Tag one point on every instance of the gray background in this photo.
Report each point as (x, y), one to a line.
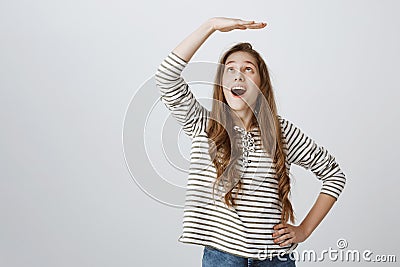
(69, 69)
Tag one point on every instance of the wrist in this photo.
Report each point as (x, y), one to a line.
(209, 25)
(305, 229)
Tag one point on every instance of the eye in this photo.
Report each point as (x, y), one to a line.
(229, 69)
(249, 69)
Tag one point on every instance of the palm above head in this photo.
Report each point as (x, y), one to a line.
(229, 24)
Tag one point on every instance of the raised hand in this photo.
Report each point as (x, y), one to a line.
(228, 24)
(192, 43)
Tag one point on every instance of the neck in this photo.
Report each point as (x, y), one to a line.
(243, 118)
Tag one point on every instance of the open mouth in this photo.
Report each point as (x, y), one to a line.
(238, 90)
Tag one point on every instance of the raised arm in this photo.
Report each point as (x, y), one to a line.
(186, 49)
(175, 92)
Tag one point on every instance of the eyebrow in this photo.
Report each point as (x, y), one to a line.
(232, 61)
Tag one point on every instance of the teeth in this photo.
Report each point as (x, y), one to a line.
(238, 87)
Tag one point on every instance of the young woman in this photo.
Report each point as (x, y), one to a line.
(237, 203)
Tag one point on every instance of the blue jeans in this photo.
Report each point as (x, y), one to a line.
(213, 257)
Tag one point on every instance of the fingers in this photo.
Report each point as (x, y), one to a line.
(283, 232)
(279, 226)
(286, 238)
(251, 24)
(256, 25)
(283, 238)
(229, 24)
(287, 242)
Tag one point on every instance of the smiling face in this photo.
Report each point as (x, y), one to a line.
(241, 81)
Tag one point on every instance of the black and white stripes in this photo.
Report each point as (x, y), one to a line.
(303, 151)
(245, 230)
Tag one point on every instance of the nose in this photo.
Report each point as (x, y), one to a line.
(239, 76)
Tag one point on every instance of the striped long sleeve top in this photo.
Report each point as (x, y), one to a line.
(245, 229)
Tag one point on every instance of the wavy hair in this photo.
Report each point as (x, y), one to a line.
(220, 124)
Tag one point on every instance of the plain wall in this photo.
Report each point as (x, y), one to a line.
(70, 69)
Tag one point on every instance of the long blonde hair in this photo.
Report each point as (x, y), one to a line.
(225, 156)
